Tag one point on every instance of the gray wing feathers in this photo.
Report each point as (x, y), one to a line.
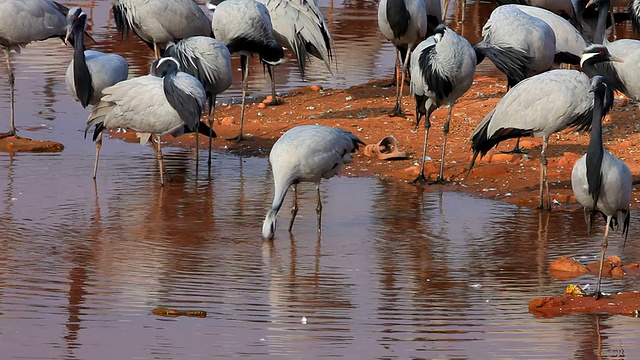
(138, 104)
(528, 105)
(23, 21)
(568, 38)
(164, 21)
(298, 22)
(207, 59)
(187, 96)
(255, 17)
(418, 83)
(105, 69)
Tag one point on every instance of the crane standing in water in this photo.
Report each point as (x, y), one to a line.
(600, 181)
(307, 153)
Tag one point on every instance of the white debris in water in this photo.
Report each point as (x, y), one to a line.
(555, 201)
(349, 98)
(303, 320)
(476, 286)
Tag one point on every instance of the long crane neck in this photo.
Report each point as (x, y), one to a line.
(595, 151)
(81, 75)
(601, 27)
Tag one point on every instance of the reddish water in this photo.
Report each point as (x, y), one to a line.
(397, 273)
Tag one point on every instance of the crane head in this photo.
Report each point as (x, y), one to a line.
(76, 21)
(164, 66)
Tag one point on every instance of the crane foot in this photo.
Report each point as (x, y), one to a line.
(517, 150)
(397, 111)
(440, 181)
(420, 179)
(8, 134)
(275, 101)
(238, 138)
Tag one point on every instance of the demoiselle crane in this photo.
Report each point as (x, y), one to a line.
(160, 21)
(245, 27)
(151, 105)
(540, 106)
(307, 153)
(518, 54)
(621, 76)
(600, 181)
(89, 72)
(404, 23)
(24, 21)
(300, 27)
(442, 69)
(209, 61)
(569, 41)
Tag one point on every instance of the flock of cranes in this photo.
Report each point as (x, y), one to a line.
(193, 66)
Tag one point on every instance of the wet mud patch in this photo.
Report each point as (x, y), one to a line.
(12, 144)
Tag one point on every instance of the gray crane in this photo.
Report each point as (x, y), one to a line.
(300, 27)
(622, 76)
(160, 21)
(540, 106)
(404, 23)
(245, 27)
(151, 105)
(569, 41)
(518, 54)
(600, 181)
(24, 21)
(560, 7)
(307, 153)
(209, 61)
(442, 69)
(89, 72)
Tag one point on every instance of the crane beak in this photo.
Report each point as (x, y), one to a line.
(615, 58)
(591, 2)
(66, 37)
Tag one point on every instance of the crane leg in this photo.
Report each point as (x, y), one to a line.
(12, 85)
(440, 179)
(156, 51)
(544, 181)
(212, 110)
(397, 110)
(197, 153)
(163, 170)
(605, 243)
(394, 81)
(274, 99)
(244, 62)
(160, 162)
(319, 209)
(516, 149)
(613, 25)
(98, 147)
(294, 208)
(421, 178)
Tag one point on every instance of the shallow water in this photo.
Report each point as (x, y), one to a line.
(396, 273)
(400, 274)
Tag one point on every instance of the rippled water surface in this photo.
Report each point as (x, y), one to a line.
(397, 273)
